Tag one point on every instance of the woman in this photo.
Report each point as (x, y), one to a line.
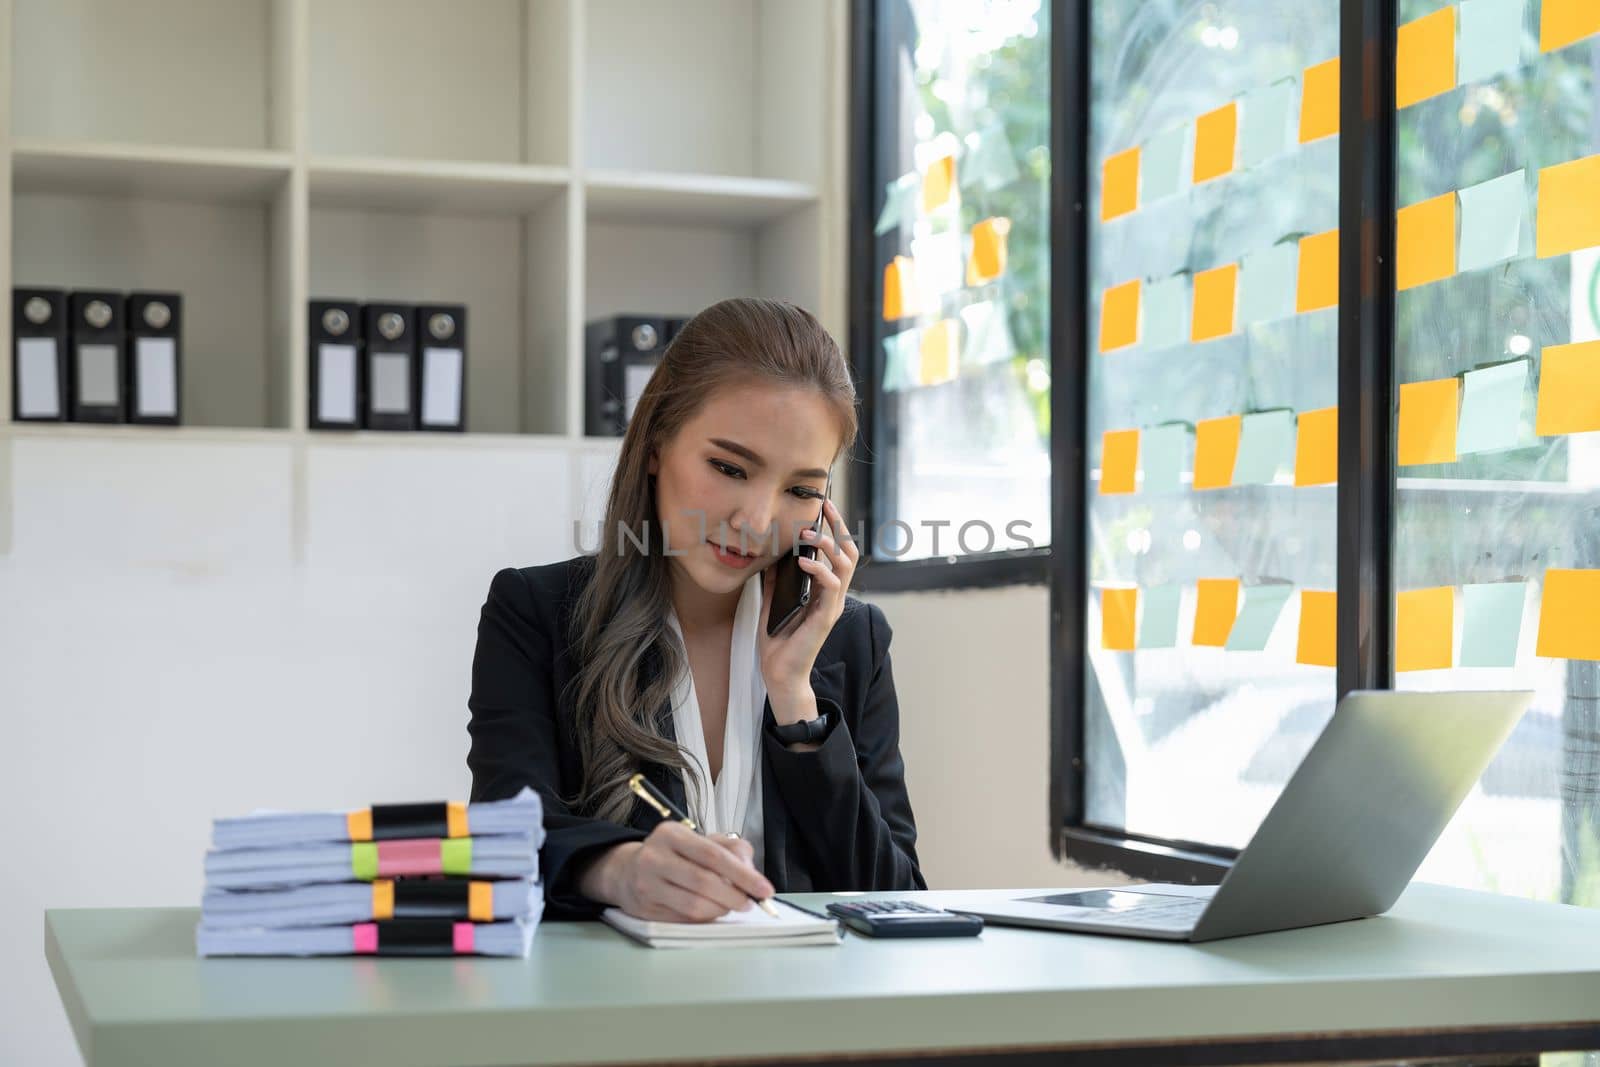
(653, 655)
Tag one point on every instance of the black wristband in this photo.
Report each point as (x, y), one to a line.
(807, 731)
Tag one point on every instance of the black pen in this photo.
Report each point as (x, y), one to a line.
(664, 807)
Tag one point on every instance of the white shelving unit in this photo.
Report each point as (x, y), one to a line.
(545, 162)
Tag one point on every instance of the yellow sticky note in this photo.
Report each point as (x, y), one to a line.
(1319, 101)
(1117, 610)
(1119, 184)
(1569, 389)
(1567, 216)
(899, 289)
(1569, 617)
(1212, 315)
(1425, 242)
(1428, 413)
(1424, 625)
(1119, 461)
(1216, 446)
(1564, 21)
(1425, 57)
(1119, 316)
(939, 349)
(1216, 605)
(1317, 282)
(1316, 447)
(1319, 629)
(1215, 135)
(988, 259)
(938, 183)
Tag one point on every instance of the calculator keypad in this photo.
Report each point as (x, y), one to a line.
(886, 907)
(903, 918)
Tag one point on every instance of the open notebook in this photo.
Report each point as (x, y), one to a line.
(737, 929)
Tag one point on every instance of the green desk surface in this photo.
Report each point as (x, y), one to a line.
(1442, 961)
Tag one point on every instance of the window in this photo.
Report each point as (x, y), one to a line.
(1207, 628)
(952, 320)
(1497, 370)
(1288, 461)
(1212, 361)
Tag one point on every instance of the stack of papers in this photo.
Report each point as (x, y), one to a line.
(397, 879)
(737, 929)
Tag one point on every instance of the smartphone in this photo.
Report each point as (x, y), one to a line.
(791, 585)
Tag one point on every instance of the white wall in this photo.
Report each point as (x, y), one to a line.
(193, 627)
(164, 657)
(973, 685)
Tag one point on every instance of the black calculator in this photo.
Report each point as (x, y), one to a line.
(903, 918)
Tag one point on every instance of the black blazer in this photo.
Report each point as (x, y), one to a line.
(836, 818)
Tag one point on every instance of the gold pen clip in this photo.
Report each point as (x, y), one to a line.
(641, 789)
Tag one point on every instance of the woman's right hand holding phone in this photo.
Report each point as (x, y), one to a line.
(676, 875)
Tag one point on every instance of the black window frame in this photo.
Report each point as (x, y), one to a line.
(868, 137)
(1367, 475)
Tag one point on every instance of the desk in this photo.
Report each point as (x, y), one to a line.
(1446, 972)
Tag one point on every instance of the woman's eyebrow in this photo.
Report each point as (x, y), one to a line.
(739, 450)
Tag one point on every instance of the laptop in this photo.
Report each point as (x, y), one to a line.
(1350, 828)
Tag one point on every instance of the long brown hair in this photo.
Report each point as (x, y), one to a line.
(620, 619)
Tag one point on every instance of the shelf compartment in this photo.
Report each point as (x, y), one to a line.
(631, 196)
(485, 81)
(111, 432)
(89, 70)
(677, 269)
(510, 273)
(222, 257)
(731, 87)
(148, 171)
(441, 187)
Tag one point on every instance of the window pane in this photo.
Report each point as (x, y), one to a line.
(1497, 362)
(962, 169)
(1212, 378)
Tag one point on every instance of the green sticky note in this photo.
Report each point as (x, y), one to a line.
(1164, 452)
(1489, 38)
(1264, 123)
(455, 855)
(1491, 623)
(1491, 408)
(1166, 312)
(364, 861)
(989, 161)
(1262, 606)
(1266, 284)
(1491, 221)
(1161, 165)
(1266, 441)
(988, 334)
(902, 360)
(1159, 626)
(899, 203)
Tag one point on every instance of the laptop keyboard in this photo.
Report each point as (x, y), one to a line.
(1178, 915)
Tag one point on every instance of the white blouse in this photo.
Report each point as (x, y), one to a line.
(733, 802)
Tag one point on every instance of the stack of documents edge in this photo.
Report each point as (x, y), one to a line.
(390, 880)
